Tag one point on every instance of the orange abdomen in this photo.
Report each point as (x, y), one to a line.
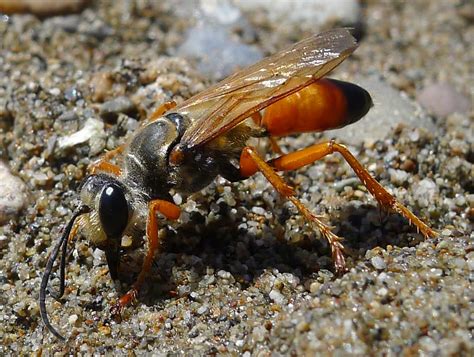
(325, 104)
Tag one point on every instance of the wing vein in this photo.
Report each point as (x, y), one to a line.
(226, 104)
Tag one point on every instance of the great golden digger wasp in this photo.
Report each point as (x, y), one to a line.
(184, 147)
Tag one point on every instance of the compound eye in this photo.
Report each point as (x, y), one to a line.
(113, 210)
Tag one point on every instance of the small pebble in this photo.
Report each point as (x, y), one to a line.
(314, 287)
(259, 333)
(378, 263)
(398, 177)
(126, 242)
(109, 110)
(390, 109)
(105, 330)
(202, 310)
(101, 85)
(425, 192)
(55, 91)
(308, 15)
(224, 274)
(92, 128)
(218, 53)
(277, 297)
(382, 292)
(443, 99)
(258, 210)
(70, 115)
(72, 319)
(470, 262)
(13, 194)
(43, 7)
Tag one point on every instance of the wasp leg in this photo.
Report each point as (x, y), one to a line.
(170, 211)
(251, 162)
(275, 147)
(75, 229)
(103, 164)
(162, 109)
(257, 119)
(313, 153)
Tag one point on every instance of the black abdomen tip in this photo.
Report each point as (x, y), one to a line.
(358, 100)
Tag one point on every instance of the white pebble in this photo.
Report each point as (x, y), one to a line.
(92, 128)
(470, 263)
(258, 333)
(258, 210)
(425, 192)
(223, 274)
(55, 91)
(72, 319)
(378, 263)
(398, 177)
(177, 199)
(13, 194)
(202, 310)
(307, 15)
(277, 297)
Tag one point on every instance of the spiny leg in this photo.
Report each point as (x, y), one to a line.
(251, 162)
(170, 211)
(257, 118)
(162, 109)
(313, 153)
(75, 228)
(103, 164)
(275, 146)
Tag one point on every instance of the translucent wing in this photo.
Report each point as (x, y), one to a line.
(224, 105)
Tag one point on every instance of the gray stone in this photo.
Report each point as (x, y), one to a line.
(307, 14)
(110, 109)
(13, 194)
(378, 263)
(442, 99)
(217, 53)
(390, 109)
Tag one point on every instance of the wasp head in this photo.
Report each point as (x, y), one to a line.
(104, 216)
(109, 215)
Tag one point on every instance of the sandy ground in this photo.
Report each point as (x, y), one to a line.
(241, 273)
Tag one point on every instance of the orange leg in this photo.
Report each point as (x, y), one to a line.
(251, 162)
(257, 118)
(162, 109)
(103, 163)
(75, 228)
(170, 211)
(275, 147)
(313, 153)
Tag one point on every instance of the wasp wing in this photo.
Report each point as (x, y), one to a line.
(224, 105)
